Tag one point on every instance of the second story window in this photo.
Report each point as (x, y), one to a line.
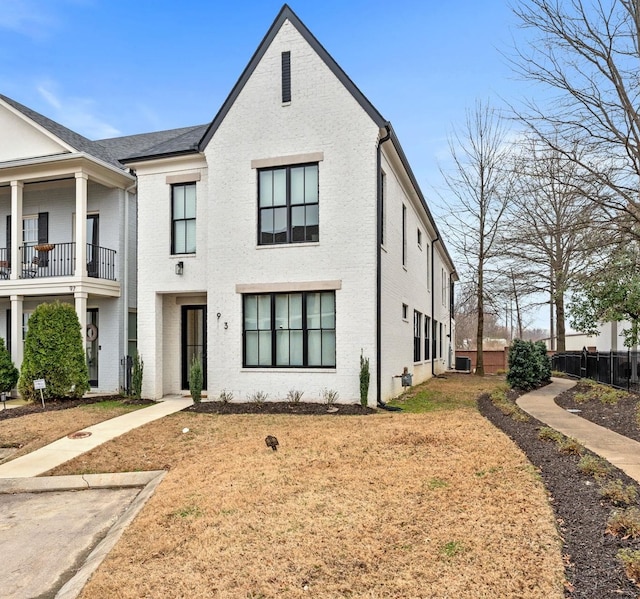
(30, 230)
(183, 219)
(288, 204)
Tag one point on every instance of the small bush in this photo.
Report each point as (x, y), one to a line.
(550, 434)
(136, 376)
(258, 397)
(617, 493)
(570, 446)
(330, 396)
(365, 376)
(625, 523)
(195, 380)
(8, 372)
(54, 351)
(593, 466)
(630, 559)
(226, 396)
(529, 365)
(294, 395)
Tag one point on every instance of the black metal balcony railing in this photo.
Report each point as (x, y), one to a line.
(59, 260)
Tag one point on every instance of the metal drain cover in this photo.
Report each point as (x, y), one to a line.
(79, 435)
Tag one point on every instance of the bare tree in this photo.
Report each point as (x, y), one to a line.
(480, 187)
(555, 232)
(587, 54)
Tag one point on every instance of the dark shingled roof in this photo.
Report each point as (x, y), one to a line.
(75, 140)
(158, 143)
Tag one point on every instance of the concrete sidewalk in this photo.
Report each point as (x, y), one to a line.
(622, 452)
(63, 450)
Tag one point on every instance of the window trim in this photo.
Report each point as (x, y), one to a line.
(288, 205)
(417, 340)
(427, 337)
(174, 251)
(304, 329)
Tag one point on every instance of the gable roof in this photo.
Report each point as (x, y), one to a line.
(287, 14)
(71, 138)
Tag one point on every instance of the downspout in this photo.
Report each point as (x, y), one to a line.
(125, 276)
(433, 320)
(451, 351)
(379, 401)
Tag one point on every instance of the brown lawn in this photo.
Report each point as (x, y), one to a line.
(439, 504)
(28, 433)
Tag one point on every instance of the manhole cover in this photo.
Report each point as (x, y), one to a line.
(79, 435)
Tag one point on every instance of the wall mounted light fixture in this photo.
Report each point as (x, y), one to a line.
(179, 267)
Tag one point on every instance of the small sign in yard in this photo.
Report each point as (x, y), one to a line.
(40, 384)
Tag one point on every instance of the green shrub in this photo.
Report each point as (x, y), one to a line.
(529, 365)
(8, 372)
(195, 380)
(365, 376)
(625, 523)
(617, 493)
(136, 376)
(630, 559)
(54, 351)
(547, 433)
(593, 465)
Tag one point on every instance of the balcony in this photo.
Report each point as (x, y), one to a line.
(59, 260)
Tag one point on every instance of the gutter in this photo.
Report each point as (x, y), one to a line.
(379, 401)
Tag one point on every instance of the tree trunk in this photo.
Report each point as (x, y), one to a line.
(560, 327)
(480, 330)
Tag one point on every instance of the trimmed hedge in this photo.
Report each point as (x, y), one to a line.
(8, 372)
(529, 365)
(54, 351)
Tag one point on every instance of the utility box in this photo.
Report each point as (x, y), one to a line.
(407, 379)
(463, 363)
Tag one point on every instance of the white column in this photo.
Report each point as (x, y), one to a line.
(17, 345)
(81, 224)
(17, 188)
(80, 298)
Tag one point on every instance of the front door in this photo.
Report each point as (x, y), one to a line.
(92, 345)
(194, 341)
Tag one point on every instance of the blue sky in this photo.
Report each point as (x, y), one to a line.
(112, 67)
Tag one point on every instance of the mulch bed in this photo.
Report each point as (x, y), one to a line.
(279, 407)
(592, 568)
(620, 417)
(52, 405)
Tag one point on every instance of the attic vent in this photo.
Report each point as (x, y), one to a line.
(286, 77)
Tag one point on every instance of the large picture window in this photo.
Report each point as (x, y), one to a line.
(288, 204)
(290, 329)
(183, 219)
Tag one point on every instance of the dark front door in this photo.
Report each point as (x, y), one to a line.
(93, 243)
(194, 341)
(92, 345)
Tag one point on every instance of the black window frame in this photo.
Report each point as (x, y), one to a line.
(427, 337)
(417, 336)
(434, 341)
(289, 233)
(440, 340)
(305, 329)
(174, 221)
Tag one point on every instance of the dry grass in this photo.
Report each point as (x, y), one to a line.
(391, 505)
(29, 433)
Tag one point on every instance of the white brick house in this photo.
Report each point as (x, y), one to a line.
(286, 237)
(275, 244)
(69, 236)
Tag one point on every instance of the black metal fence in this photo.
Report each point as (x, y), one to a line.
(127, 373)
(619, 369)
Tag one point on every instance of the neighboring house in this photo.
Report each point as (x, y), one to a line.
(69, 236)
(286, 237)
(275, 244)
(609, 338)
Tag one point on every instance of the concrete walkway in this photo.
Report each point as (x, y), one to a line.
(65, 449)
(622, 452)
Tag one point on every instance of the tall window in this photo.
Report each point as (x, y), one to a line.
(440, 341)
(288, 204)
(183, 218)
(286, 77)
(404, 235)
(434, 340)
(427, 337)
(30, 230)
(417, 336)
(290, 329)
